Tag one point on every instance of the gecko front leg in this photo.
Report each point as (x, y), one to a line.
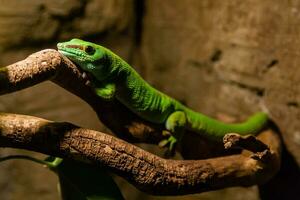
(105, 90)
(175, 126)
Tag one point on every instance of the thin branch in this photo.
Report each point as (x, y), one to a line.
(249, 142)
(24, 157)
(146, 171)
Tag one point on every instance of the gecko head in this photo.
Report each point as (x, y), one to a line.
(89, 56)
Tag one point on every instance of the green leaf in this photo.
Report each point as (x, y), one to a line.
(81, 181)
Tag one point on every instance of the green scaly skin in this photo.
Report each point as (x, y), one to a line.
(114, 78)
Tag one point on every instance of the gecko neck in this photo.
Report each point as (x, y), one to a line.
(137, 95)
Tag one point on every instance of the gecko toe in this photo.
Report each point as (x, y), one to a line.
(84, 75)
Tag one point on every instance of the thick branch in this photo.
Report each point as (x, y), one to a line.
(144, 170)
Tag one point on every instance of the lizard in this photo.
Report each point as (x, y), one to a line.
(114, 78)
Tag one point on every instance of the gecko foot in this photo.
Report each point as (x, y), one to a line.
(170, 143)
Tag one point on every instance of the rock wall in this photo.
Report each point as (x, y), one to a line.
(218, 57)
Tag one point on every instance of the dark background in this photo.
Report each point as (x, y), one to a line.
(218, 57)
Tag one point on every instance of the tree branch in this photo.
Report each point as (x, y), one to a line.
(146, 171)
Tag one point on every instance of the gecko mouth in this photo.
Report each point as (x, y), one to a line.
(70, 54)
(66, 53)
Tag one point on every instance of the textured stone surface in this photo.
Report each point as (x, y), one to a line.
(237, 57)
(228, 57)
(31, 25)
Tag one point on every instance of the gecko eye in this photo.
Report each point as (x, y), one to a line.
(89, 50)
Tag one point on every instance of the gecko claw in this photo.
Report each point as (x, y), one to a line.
(170, 144)
(88, 83)
(166, 133)
(163, 143)
(86, 78)
(84, 75)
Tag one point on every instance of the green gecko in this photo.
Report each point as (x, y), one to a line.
(112, 78)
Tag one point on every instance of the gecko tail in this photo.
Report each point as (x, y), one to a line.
(255, 123)
(252, 126)
(215, 130)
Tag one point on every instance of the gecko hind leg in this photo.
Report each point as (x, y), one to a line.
(175, 127)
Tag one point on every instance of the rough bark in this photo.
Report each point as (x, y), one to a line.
(146, 171)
